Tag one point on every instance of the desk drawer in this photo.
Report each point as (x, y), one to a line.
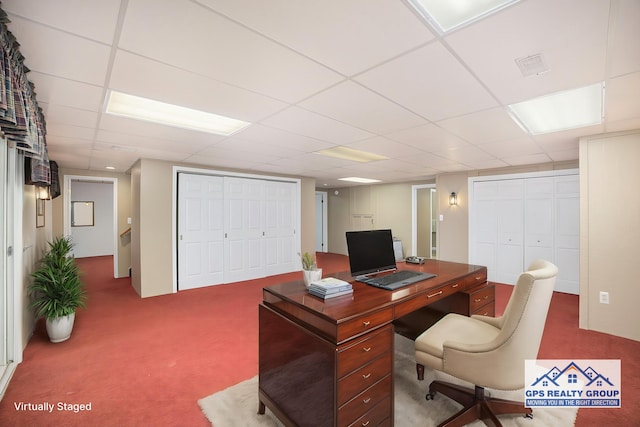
(378, 416)
(480, 296)
(363, 378)
(425, 299)
(364, 402)
(472, 280)
(365, 323)
(364, 350)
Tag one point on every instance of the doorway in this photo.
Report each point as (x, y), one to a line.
(322, 200)
(93, 229)
(424, 208)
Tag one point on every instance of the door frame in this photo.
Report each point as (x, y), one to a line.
(414, 216)
(323, 221)
(12, 270)
(214, 172)
(66, 212)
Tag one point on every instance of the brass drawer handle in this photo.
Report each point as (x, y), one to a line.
(455, 285)
(365, 424)
(367, 400)
(366, 323)
(366, 349)
(477, 300)
(435, 295)
(366, 376)
(478, 277)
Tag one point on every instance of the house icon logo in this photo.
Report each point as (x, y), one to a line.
(572, 383)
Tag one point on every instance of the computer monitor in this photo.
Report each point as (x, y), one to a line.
(370, 252)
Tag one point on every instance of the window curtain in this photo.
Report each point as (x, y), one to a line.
(21, 120)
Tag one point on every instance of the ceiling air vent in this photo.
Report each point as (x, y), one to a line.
(532, 65)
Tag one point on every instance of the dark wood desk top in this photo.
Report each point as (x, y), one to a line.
(327, 316)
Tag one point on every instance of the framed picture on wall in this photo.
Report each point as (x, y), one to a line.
(39, 213)
(82, 214)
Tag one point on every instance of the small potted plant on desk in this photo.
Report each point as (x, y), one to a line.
(310, 270)
(56, 289)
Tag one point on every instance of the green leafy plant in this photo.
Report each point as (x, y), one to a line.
(56, 289)
(308, 261)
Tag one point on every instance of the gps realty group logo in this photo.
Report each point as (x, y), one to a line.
(575, 383)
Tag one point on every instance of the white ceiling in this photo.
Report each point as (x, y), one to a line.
(310, 75)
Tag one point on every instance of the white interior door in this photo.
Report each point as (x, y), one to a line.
(279, 227)
(484, 224)
(539, 236)
(244, 218)
(516, 220)
(567, 221)
(200, 230)
(510, 214)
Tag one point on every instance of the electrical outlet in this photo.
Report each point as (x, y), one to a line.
(604, 297)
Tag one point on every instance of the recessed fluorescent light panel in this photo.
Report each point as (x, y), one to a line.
(351, 154)
(446, 15)
(135, 107)
(560, 111)
(359, 180)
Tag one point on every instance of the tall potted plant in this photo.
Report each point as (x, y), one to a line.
(56, 290)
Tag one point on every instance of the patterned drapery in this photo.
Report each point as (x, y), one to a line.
(21, 120)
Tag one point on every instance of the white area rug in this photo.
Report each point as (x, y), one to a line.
(238, 405)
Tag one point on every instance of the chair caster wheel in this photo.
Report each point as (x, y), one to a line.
(530, 416)
(430, 396)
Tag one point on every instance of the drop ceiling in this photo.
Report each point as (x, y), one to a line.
(370, 75)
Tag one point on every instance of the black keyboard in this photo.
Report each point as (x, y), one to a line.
(397, 280)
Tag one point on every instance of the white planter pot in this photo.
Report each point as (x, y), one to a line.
(59, 329)
(311, 276)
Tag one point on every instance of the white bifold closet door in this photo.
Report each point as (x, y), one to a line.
(232, 229)
(515, 221)
(200, 230)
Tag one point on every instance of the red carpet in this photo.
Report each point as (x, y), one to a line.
(142, 362)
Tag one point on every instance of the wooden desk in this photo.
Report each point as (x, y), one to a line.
(330, 363)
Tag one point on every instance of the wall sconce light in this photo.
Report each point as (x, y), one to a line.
(43, 193)
(453, 198)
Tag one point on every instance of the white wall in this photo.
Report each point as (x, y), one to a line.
(96, 240)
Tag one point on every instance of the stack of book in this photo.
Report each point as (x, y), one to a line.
(330, 287)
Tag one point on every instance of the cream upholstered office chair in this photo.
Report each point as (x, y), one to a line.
(487, 351)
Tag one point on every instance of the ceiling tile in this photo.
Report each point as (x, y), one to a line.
(367, 32)
(428, 137)
(511, 148)
(177, 32)
(61, 54)
(280, 138)
(97, 22)
(484, 126)
(385, 147)
(60, 115)
(351, 103)
(124, 142)
(429, 81)
(622, 97)
(625, 55)
(571, 35)
(314, 125)
(68, 93)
